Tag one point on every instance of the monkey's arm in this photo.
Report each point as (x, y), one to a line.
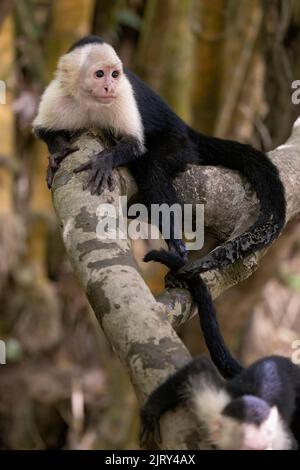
(101, 164)
(58, 143)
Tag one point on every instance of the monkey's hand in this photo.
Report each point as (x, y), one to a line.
(150, 428)
(100, 168)
(55, 160)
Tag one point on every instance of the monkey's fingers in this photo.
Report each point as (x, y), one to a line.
(83, 167)
(90, 180)
(50, 176)
(57, 157)
(98, 182)
(150, 431)
(149, 435)
(146, 436)
(111, 182)
(103, 182)
(94, 161)
(68, 151)
(157, 433)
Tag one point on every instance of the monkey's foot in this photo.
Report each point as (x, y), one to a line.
(172, 282)
(55, 160)
(150, 429)
(178, 247)
(100, 168)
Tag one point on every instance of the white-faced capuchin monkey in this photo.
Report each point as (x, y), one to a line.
(92, 89)
(259, 409)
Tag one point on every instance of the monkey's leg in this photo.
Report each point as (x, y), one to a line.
(157, 189)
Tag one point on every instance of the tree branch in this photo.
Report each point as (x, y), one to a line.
(138, 327)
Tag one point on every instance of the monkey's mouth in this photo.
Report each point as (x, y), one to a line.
(106, 99)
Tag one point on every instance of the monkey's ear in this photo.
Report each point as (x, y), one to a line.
(68, 70)
(66, 63)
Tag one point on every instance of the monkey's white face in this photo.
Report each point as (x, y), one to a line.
(92, 74)
(228, 433)
(91, 90)
(271, 434)
(232, 435)
(102, 82)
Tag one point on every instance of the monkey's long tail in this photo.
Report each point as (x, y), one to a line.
(227, 365)
(264, 178)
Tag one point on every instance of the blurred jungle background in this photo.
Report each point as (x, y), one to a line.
(226, 67)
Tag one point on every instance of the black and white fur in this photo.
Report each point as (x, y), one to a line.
(154, 142)
(259, 409)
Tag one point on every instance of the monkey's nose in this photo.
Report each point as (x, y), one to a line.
(106, 89)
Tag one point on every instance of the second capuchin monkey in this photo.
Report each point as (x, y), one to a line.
(92, 89)
(259, 409)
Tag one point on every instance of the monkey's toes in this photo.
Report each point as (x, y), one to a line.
(150, 432)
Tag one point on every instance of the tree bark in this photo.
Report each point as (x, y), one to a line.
(140, 328)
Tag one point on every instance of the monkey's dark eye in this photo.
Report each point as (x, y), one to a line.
(99, 73)
(115, 74)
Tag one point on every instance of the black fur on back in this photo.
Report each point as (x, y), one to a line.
(227, 365)
(92, 39)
